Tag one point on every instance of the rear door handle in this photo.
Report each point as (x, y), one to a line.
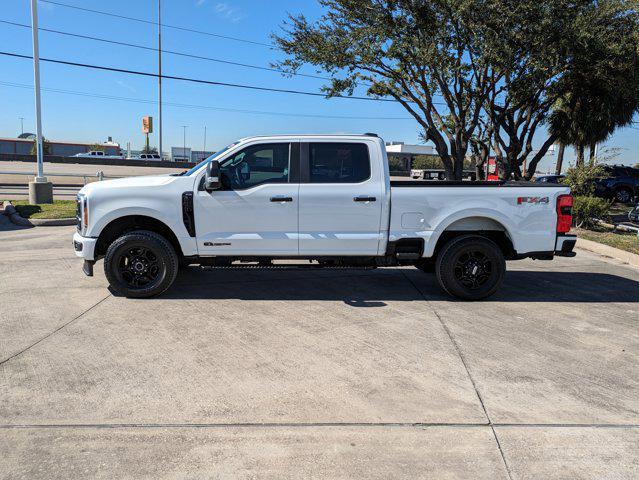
(281, 199)
(364, 199)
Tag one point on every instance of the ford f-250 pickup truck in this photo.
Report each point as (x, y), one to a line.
(324, 201)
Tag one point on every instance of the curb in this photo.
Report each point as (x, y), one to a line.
(11, 212)
(606, 251)
(53, 222)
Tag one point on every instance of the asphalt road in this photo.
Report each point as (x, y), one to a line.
(315, 374)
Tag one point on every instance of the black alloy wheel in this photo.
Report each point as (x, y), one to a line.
(473, 269)
(470, 267)
(140, 264)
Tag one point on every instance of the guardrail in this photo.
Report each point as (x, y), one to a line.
(99, 175)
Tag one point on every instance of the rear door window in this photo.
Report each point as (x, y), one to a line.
(339, 163)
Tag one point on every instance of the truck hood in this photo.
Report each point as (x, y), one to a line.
(126, 183)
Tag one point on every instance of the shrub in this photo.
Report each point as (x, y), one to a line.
(424, 162)
(396, 165)
(46, 148)
(581, 179)
(587, 208)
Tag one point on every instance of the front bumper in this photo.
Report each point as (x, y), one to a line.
(84, 247)
(564, 245)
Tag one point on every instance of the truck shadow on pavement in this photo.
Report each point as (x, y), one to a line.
(374, 288)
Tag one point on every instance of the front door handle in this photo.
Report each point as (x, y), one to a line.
(281, 199)
(364, 199)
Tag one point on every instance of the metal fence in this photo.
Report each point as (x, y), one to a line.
(84, 176)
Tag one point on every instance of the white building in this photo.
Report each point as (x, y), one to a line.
(400, 148)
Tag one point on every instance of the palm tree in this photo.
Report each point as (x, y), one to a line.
(591, 112)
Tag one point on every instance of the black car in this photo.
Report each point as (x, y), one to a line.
(622, 183)
(549, 178)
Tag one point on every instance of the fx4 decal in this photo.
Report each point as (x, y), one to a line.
(533, 200)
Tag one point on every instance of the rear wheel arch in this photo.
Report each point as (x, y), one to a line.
(482, 226)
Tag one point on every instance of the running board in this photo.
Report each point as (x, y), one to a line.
(287, 267)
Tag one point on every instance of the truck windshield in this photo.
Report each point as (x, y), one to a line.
(217, 154)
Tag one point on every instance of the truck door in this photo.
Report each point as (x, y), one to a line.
(255, 212)
(340, 199)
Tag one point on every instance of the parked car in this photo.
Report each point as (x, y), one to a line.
(633, 215)
(323, 200)
(550, 178)
(96, 154)
(622, 183)
(149, 156)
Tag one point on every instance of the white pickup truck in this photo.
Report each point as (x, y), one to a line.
(323, 201)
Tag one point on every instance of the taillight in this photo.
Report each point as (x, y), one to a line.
(564, 213)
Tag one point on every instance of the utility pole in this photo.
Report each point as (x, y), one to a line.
(184, 140)
(40, 191)
(160, 77)
(204, 149)
(21, 125)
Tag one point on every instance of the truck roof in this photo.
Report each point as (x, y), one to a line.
(314, 135)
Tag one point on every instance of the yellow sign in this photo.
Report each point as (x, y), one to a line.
(147, 124)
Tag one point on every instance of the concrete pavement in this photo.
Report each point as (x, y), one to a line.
(315, 374)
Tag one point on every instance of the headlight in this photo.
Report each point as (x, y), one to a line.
(85, 213)
(82, 213)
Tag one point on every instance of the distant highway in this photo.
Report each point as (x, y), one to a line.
(15, 187)
(21, 192)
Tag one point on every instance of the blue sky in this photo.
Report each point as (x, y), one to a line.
(85, 118)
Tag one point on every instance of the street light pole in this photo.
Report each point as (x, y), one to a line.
(160, 77)
(184, 140)
(40, 191)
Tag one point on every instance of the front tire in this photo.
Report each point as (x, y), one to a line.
(470, 267)
(140, 264)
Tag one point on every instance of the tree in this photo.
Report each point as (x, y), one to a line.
(576, 70)
(46, 147)
(513, 62)
(148, 149)
(97, 147)
(603, 94)
(413, 52)
(480, 147)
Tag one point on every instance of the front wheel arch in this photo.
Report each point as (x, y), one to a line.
(129, 223)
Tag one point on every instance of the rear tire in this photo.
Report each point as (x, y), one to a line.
(470, 267)
(623, 195)
(140, 264)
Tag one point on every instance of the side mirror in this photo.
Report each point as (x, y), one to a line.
(212, 177)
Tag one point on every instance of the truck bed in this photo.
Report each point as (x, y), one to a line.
(525, 211)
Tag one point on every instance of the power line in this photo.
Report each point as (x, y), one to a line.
(207, 107)
(172, 52)
(164, 25)
(194, 80)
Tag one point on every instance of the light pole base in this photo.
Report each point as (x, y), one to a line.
(40, 191)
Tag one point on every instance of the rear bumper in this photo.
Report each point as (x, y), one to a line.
(565, 245)
(84, 247)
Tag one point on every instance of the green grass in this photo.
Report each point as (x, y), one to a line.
(58, 209)
(623, 241)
